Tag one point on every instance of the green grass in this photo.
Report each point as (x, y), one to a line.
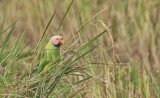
(96, 66)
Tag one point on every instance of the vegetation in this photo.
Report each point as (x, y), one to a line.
(112, 48)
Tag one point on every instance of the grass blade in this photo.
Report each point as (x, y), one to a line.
(64, 16)
(71, 85)
(2, 26)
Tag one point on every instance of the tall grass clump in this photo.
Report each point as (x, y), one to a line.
(11, 59)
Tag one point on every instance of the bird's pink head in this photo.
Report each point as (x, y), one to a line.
(57, 41)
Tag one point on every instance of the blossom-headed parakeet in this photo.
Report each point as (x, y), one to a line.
(51, 54)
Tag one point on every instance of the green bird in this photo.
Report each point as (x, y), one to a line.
(51, 54)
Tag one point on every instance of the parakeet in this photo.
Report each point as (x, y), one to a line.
(51, 54)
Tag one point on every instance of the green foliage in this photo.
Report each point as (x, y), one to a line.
(11, 56)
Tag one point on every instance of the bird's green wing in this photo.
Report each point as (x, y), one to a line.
(42, 64)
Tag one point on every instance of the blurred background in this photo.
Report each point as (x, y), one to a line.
(134, 26)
